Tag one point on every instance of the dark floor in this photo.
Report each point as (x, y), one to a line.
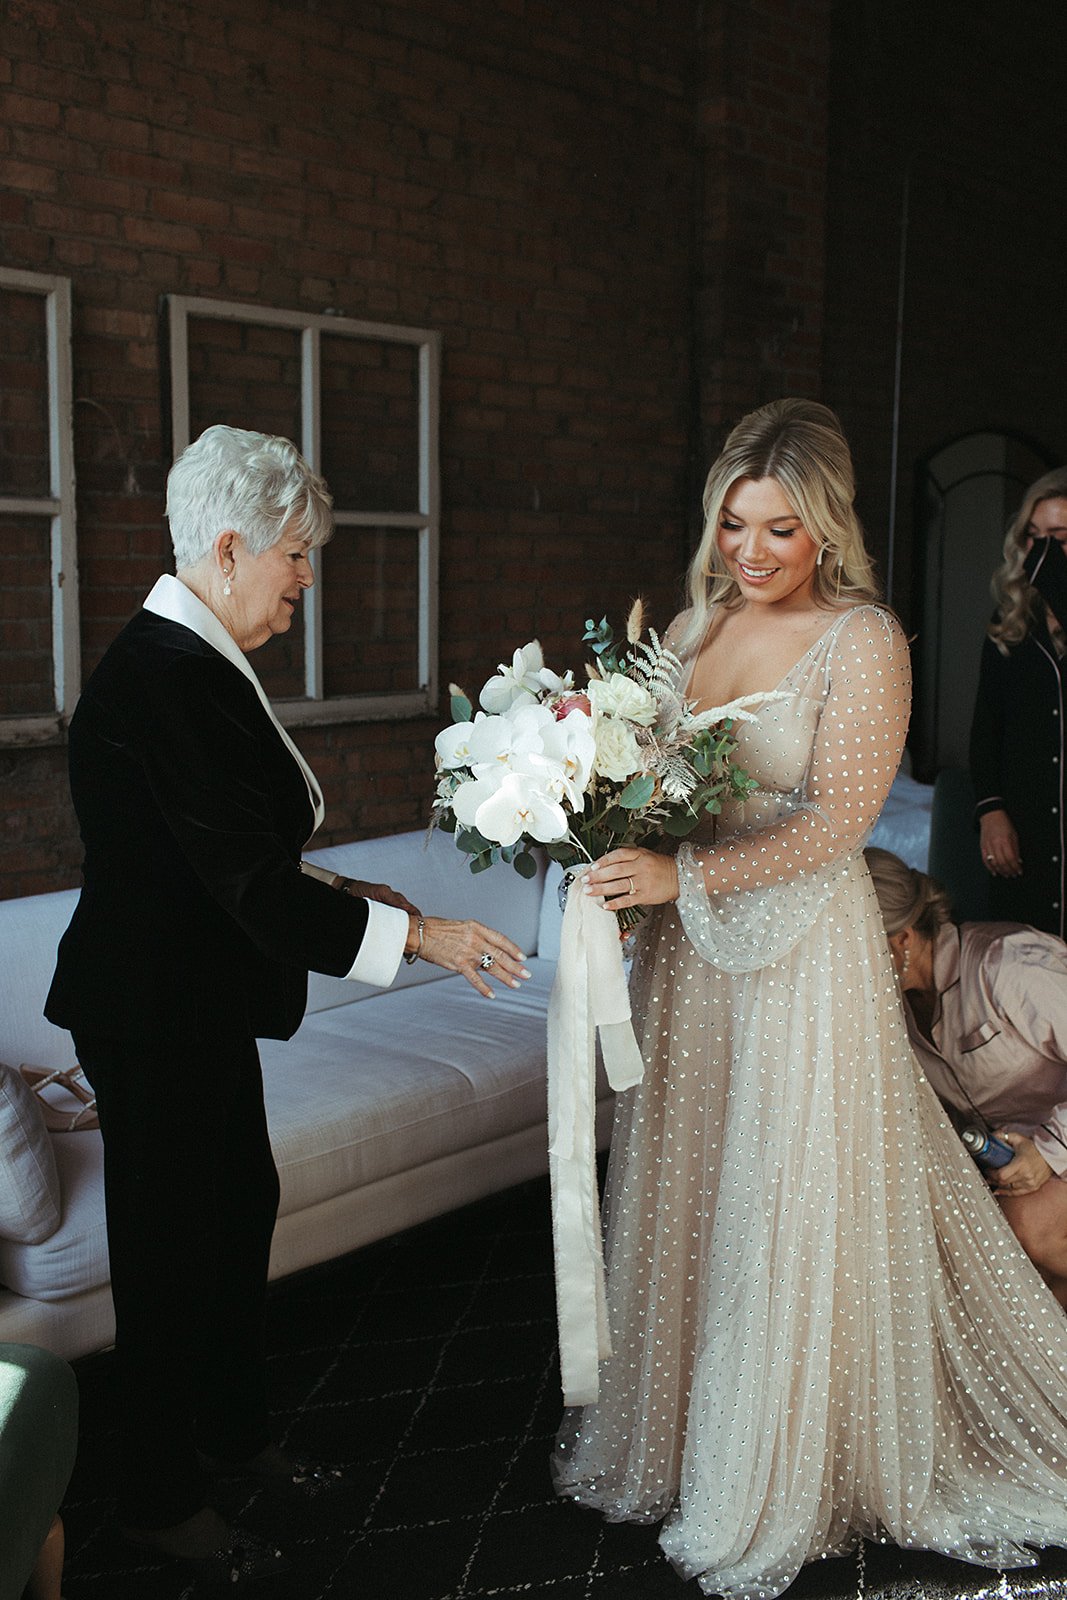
(427, 1364)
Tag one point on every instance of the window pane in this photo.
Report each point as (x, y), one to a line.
(24, 468)
(370, 423)
(370, 611)
(245, 375)
(26, 686)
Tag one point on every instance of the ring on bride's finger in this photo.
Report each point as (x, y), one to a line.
(487, 961)
(631, 886)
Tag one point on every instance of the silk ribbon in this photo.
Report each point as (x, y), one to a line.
(589, 992)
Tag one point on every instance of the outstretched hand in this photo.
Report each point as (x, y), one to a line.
(475, 950)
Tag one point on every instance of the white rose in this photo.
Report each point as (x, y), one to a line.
(617, 753)
(620, 696)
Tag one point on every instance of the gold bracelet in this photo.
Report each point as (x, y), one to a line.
(413, 955)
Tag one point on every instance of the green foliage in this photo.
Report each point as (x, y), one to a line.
(462, 710)
(471, 842)
(600, 636)
(638, 792)
(525, 865)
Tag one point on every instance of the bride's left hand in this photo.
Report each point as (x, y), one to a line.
(633, 877)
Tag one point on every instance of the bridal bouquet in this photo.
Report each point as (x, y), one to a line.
(623, 761)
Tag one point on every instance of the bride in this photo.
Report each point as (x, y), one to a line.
(823, 1328)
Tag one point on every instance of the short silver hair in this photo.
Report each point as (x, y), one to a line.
(255, 483)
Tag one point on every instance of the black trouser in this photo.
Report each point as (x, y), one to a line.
(191, 1193)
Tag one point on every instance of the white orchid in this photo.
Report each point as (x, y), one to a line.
(504, 807)
(453, 744)
(553, 683)
(570, 742)
(520, 681)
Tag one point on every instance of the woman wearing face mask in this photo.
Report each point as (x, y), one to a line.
(986, 1008)
(1018, 754)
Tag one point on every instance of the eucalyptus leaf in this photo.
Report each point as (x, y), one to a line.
(525, 865)
(681, 825)
(462, 710)
(471, 841)
(481, 863)
(638, 792)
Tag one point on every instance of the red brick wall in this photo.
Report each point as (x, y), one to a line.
(516, 173)
(762, 118)
(631, 222)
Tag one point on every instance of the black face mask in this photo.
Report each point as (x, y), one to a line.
(1046, 570)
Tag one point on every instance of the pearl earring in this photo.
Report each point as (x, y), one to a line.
(226, 589)
(818, 558)
(905, 964)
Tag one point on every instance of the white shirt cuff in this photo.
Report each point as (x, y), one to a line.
(383, 944)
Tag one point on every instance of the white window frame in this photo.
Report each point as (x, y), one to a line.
(317, 708)
(58, 506)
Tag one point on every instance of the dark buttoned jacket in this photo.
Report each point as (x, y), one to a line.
(1017, 764)
(195, 919)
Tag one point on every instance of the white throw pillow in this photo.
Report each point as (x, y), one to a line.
(31, 1206)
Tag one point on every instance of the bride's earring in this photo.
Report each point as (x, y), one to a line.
(904, 965)
(818, 558)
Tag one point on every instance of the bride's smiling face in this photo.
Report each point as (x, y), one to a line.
(765, 545)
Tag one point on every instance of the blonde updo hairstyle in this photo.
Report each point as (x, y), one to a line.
(1016, 600)
(798, 443)
(907, 898)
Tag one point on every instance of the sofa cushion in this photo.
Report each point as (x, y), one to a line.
(30, 1198)
(75, 1256)
(366, 1090)
(32, 928)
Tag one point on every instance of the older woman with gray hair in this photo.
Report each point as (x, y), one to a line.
(193, 936)
(986, 1008)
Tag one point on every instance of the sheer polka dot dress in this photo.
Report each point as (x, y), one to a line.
(822, 1326)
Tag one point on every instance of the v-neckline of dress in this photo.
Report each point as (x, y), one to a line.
(799, 662)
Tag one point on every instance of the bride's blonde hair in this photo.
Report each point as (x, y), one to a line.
(798, 443)
(1017, 601)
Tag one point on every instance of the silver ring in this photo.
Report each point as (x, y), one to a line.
(487, 961)
(990, 858)
(631, 886)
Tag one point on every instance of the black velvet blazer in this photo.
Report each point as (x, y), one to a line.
(195, 920)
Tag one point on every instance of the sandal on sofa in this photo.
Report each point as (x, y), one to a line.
(69, 1084)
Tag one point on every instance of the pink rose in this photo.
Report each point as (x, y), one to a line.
(572, 702)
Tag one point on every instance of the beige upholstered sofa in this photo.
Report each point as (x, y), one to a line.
(386, 1108)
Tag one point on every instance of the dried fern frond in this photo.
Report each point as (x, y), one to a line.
(654, 666)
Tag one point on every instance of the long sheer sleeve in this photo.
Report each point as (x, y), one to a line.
(745, 899)
(856, 754)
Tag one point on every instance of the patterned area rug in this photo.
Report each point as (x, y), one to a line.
(426, 1364)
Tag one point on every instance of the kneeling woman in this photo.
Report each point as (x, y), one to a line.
(986, 1007)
